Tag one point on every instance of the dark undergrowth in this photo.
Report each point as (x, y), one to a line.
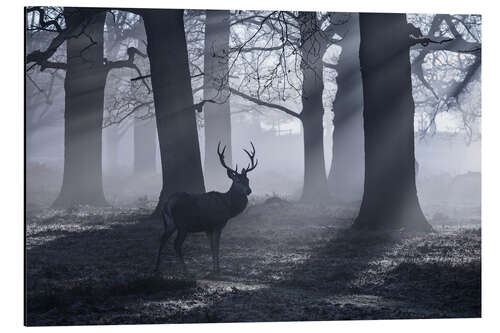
(280, 261)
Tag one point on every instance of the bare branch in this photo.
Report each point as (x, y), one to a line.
(267, 104)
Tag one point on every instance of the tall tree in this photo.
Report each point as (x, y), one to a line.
(113, 134)
(217, 115)
(84, 87)
(129, 98)
(173, 101)
(345, 179)
(84, 83)
(390, 196)
(312, 47)
(305, 35)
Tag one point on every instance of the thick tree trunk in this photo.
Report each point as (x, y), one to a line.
(84, 101)
(345, 179)
(312, 47)
(217, 115)
(173, 99)
(390, 199)
(144, 146)
(315, 187)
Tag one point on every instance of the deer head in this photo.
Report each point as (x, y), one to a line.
(240, 179)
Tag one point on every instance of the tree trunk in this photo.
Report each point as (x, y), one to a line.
(173, 99)
(217, 115)
(390, 199)
(347, 168)
(315, 187)
(144, 146)
(84, 102)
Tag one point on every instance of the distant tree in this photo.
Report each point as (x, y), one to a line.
(299, 42)
(345, 179)
(43, 100)
(113, 135)
(130, 100)
(390, 196)
(145, 140)
(312, 49)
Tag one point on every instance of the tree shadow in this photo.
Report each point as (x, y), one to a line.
(87, 264)
(100, 272)
(357, 276)
(329, 285)
(336, 266)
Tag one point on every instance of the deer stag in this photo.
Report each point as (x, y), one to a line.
(207, 212)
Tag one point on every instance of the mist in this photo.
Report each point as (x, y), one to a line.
(342, 151)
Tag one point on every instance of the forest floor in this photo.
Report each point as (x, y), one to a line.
(280, 261)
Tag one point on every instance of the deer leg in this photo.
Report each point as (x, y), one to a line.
(181, 236)
(214, 244)
(166, 235)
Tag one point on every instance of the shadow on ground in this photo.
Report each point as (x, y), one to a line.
(280, 261)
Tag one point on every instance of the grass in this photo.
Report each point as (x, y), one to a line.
(279, 260)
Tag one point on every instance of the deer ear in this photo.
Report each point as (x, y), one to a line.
(230, 174)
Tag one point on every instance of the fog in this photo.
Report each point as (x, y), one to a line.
(333, 160)
(278, 141)
(447, 138)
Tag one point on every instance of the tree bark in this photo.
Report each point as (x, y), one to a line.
(84, 102)
(144, 146)
(345, 179)
(173, 99)
(390, 199)
(217, 115)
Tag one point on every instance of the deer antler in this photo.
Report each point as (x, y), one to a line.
(221, 158)
(253, 163)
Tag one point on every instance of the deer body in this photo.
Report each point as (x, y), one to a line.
(208, 212)
(204, 212)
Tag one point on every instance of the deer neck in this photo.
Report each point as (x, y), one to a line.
(237, 200)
